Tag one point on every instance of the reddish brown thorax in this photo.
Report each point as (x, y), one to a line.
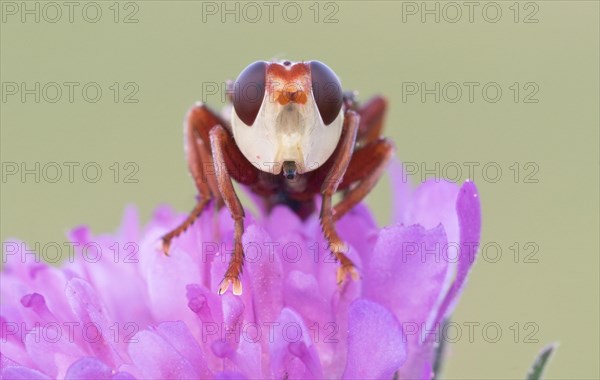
(288, 82)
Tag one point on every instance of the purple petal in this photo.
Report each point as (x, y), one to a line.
(203, 302)
(90, 311)
(89, 369)
(12, 338)
(20, 260)
(233, 316)
(163, 214)
(418, 364)
(292, 319)
(167, 278)
(432, 203)
(282, 220)
(303, 291)
(249, 354)
(122, 376)
(468, 209)
(80, 235)
(50, 283)
(6, 361)
(154, 358)
(266, 273)
(22, 373)
(376, 344)
(292, 352)
(129, 229)
(229, 376)
(294, 252)
(407, 271)
(44, 340)
(179, 336)
(359, 230)
(38, 305)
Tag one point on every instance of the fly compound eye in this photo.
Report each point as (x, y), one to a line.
(327, 91)
(249, 91)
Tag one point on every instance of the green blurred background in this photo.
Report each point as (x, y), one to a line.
(549, 129)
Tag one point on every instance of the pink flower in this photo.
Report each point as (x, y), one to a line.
(122, 310)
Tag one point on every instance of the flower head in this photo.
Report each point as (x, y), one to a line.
(126, 311)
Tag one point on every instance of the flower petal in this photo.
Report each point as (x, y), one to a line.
(468, 209)
(407, 271)
(89, 369)
(292, 353)
(179, 336)
(154, 358)
(90, 311)
(432, 203)
(373, 329)
(229, 376)
(358, 229)
(282, 220)
(302, 290)
(186, 330)
(167, 278)
(203, 302)
(266, 274)
(22, 373)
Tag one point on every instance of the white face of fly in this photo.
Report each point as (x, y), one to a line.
(288, 126)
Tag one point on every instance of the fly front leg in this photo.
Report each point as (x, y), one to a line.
(342, 157)
(200, 120)
(220, 141)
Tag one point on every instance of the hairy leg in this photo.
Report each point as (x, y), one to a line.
(200, 120)
(329, 187)
(220, 140)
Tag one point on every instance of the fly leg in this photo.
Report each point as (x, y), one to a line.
(341, 161)
(220, 140)
(200, 120)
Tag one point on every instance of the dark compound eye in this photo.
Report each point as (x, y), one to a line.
(249, 91)
(327, 91)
